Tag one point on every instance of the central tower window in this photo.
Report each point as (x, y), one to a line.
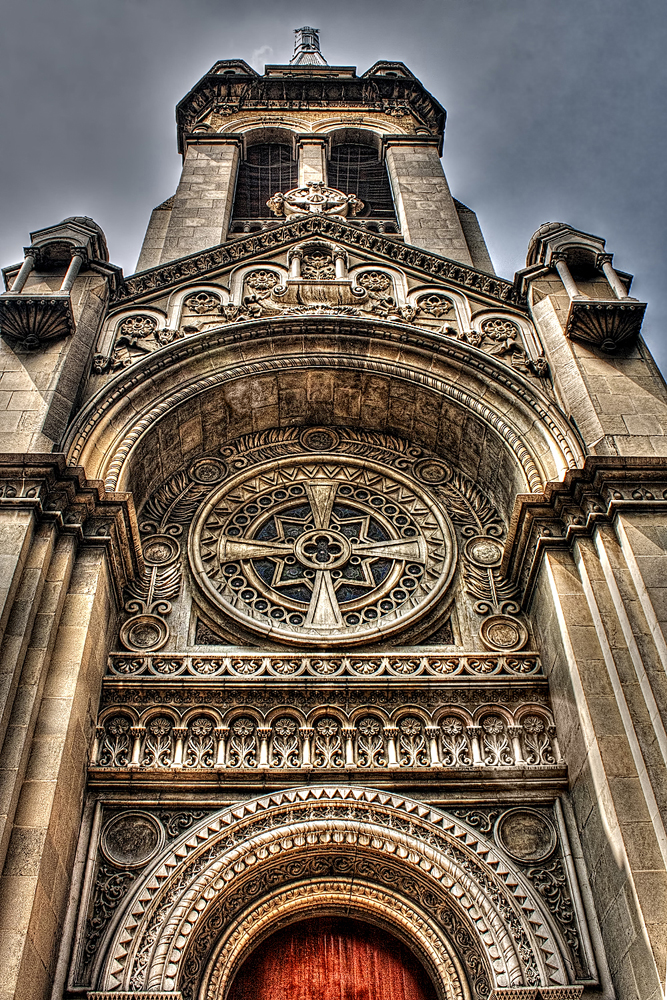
(268, 167)
(354, 168)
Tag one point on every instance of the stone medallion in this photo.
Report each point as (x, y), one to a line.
(526, 835)
(322, 551)
(503, 633)
(132, 839)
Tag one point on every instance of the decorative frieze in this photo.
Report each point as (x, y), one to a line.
(481, 666)
(328, 738)
(354, 239)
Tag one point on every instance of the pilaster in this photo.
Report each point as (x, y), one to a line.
(78, 548)
(204, 198)
(312, 159)
(424, 204)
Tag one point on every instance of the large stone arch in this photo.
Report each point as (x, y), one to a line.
(448, 396)
(462, 906)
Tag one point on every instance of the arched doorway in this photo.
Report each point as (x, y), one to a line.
(331, 958)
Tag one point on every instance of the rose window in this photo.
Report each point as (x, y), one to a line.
(322, 552)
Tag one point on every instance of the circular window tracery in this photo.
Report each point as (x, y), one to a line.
(322, 551)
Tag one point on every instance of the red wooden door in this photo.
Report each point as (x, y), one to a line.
(331, 958)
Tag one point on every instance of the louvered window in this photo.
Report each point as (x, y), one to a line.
(268, 168)
(355, 169)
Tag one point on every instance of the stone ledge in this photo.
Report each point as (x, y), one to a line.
(607, 485)
(59, 493)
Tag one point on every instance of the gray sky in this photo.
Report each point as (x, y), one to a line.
(556, 110)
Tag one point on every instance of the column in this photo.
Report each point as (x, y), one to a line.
(264, 735)
(559, 260)
(433, 734)
(474, 733)
(312, 158)
(34, 884)
(424, 205)
(391, 732)
(23, 275)
(306, 736)
(180, 734)
(221, 735)
(620, 836)
(604, 262)
(514, 733)
(349, 734)
(78, 257)
(137, 734)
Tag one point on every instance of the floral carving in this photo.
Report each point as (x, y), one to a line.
(115, 748)
(371, 750)
(285, 743)
(537, 745)
(200, 748)
(413, 750)
(434, 304)
(496, 745)
(317, 265)
(202, 302)
(157, 745)
(243, 744)
(455, 748)
(328, 751)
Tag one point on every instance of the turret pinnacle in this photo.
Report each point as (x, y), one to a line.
(307, 48)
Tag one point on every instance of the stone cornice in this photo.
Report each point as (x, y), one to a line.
(393, 96)
(271, 241)
(61, 494)
(595, 494)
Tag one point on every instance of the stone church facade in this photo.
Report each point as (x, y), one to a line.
(333, 575)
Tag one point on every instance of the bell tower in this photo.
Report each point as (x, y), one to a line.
(332, 606)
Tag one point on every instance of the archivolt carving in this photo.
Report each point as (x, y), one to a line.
(488, 910)
(136, 417)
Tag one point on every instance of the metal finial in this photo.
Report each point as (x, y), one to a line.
(307, 48)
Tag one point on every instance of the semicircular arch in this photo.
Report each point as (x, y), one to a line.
(174, 923)
(439, 395)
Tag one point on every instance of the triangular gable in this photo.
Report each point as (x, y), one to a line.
(202, 265)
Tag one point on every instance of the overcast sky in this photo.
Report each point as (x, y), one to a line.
(556, 110)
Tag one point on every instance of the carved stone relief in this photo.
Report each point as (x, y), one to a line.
(136, 337)
(314, 198)
(321, 535)
(446, 864)
(327, 737)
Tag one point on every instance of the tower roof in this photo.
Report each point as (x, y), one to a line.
(307, 48)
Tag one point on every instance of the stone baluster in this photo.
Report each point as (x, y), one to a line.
(100, 733)
(78, 257)
(391, 732)
(474, 733)
(263, 735)
(514, 733)
(433, 735)
(306, 736)
(559, 260)
(221, 733)
(349, 734)
(295, 264)
(604, 262)
(23, 275)
(180, 733)
(137, 734)
(555, 745)
(340, 263)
